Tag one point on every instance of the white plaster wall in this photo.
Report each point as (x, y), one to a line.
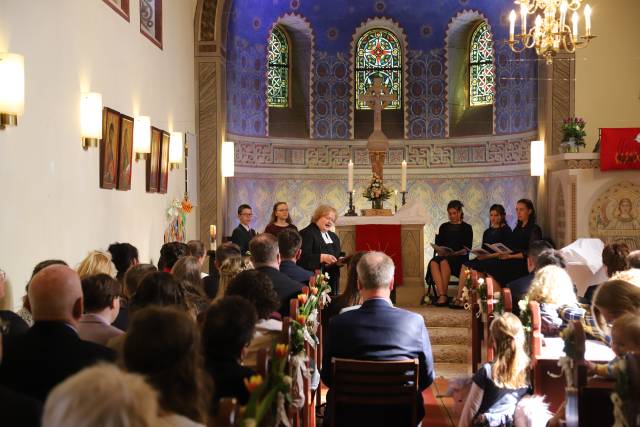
(52, 206)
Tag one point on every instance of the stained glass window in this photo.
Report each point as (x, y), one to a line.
(278, 73)
(482, 72)
(378, 54)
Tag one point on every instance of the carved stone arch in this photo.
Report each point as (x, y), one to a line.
(301, 62)
(457, 39)
(400, 33)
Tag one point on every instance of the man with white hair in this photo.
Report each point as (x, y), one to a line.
(378, 331)
(51, 351)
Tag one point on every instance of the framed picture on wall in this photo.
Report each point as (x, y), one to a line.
(163, 180)
(153, 161)
(109, 148)
(120, 6)
(125, 153)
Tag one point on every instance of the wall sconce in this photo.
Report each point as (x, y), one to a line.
(11, 88)
(176, 149)
(537, 158)
(141, 136)
(90, 119)
(228, 159)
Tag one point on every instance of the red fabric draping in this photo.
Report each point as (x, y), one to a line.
(383, 238)
(619, 148)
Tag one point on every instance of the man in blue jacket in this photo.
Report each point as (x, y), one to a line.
(378, 331)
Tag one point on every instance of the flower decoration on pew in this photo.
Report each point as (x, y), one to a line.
(268, 396)
(466, 290)
(525, 314)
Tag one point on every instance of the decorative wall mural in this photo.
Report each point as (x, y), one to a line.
(615, 216)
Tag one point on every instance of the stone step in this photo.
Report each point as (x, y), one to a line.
(452, 370)
(450, 353)
(442, 316)
(449, 335)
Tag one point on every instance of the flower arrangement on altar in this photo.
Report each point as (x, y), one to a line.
(573, 133)
(376, 191)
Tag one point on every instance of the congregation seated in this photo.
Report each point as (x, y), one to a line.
(498, 386)
(55, 295)
(132, 279)
(229, 269)
(228, 328)
(614, 299)
(170, 253)
(101, 307)
(256, 287)
(123, 256)
(289, 244)
(633, 259)
(625, 338)
(349, 298)
(614, 260)
(99, 396)
(187, 270)
(223, 252)
(12, 324)
(377, 331)
(16, 408)
(163, 345)
(520, 286)
(25, 311)
(266, 258)
(96, 262)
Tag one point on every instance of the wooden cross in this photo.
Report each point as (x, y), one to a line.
(377, 98)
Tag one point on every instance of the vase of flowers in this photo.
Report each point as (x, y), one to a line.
(573, 134)
(376, 192)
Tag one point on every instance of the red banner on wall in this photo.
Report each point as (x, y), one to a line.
(619, 148)
(382, 238)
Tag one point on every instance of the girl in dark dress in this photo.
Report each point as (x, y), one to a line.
(514, 265)
(498, 232)
(455, 235)
(280, 219)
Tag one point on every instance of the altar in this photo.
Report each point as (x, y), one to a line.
(409, 222)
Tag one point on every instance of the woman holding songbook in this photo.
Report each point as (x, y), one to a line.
(450, 252)
(487, 261)
(514, 264)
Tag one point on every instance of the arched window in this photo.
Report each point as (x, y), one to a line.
(481, 70)
(378, 54)
(278, 74)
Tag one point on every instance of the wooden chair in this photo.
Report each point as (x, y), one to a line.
(476, 331)
(227, 413)
(507, 300)
(370, 384)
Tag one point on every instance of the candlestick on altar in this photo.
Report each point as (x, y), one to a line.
(404, 197)
(350, 176)
(352, 209)
(403, 176)
(212, 237)
(395, 200)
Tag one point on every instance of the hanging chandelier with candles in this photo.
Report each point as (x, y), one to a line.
(552, 32)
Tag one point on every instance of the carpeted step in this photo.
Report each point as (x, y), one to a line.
(450, 353)
(452, 370)
(442, 316)
(449, 335)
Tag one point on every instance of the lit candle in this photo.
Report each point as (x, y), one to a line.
(587, 20)
(403, 176)
(512, 25)
(575, 19)
(523, 17)
(395, 192)
(538, 25)
(212, 236)
(563, 13)
(350, 175)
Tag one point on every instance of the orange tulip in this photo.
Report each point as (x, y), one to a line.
(253, 382)
(301, 319)
(303, 298)
(314, 290)
(281, 350)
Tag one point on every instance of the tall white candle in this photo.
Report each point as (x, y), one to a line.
(587, 20)
(512, 25)
(523, 17)
(575, 19)
(350, 176)
(403, 177)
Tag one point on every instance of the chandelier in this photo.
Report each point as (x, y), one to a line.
(552, 31)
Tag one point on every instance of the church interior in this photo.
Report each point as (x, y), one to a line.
(416, 131)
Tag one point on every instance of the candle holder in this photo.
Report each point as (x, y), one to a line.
(352, 209)
(404, 197)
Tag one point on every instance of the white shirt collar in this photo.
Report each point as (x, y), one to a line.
(326, 237)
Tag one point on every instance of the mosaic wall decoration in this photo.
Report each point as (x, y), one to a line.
(615, 215)
(425, 25)
(304, 194)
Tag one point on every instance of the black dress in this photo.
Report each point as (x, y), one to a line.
(456, 237)
(490, 236)
(313, 245)
(521, 238)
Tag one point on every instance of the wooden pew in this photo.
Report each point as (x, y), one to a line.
(228, 413)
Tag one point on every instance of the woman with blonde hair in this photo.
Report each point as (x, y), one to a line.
(228, 270)
(613, 299)
(97, 262)
(321, 246)
(552, 288)
(498, 386)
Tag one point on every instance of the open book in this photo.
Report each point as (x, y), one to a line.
(499, 248)
(446, 251)
(479, 251)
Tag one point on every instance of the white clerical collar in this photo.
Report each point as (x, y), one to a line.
(326, 237)
(245, 227)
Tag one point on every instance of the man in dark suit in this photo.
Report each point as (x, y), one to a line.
(243, 233)
(378, 331)
(51, 351)
(521, 285)
(266, 258)
(289, 243)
